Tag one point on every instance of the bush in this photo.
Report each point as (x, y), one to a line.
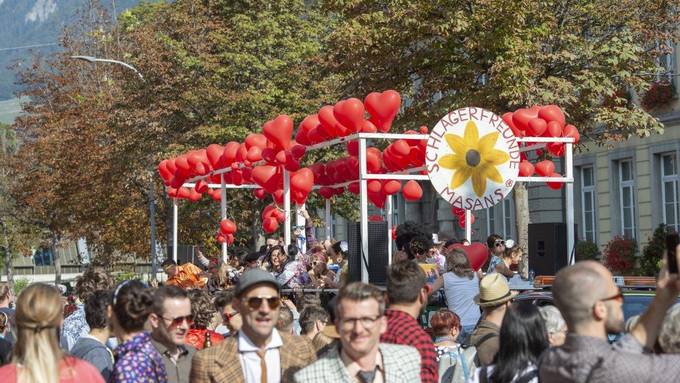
(586, 250)
(650, 262)
(20, 284)
(619, 255)
(126, 276)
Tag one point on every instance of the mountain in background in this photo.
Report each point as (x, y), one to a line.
(37, 23)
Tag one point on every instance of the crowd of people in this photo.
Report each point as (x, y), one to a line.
(237, 322)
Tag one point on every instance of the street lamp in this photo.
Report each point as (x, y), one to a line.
(152, 186)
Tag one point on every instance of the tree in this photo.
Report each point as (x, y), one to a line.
(506, 54)
(214, 71)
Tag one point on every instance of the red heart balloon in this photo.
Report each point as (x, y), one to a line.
(302, 180)
(507, 117)
(194, 196)
(201, 186)
(458, 212)
(279, 131)
(378, 199)
(373, 160)
(571, 131)
(330, 123)
(554, 129)
(183, 193)
(368, 127)
(375, 218)
(374, 186)
(552, 113)
(254, 154)
(214, 153)
(259, 193)
(350, 113)
(265, 176)
(269, 155)
(412, 191)
(172, 192)
(353, 148)
(537, 127)
(229, 153)
(545, 168)
(383, 107)
(227, 226)
(270, 225)
(230, 239)
(237, 177)
(555, 185)
(391, 187)
(278, 196)
(326, 192)
(521, 118)
(163, 171)
(556, 148)
(354, 188)
(281, 157)
(299, 197)
(310, 122)
(220, 238)
(476, 253)
(257, 140)
(400, 148)
(279, 214)
(182, 163)
(526, 169)
(298, 151)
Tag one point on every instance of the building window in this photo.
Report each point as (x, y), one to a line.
(490, 221)
(507, 217)
(588, 202)
(669, 190)
(627, 198)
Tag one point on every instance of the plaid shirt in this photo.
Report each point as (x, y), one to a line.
(404, 329)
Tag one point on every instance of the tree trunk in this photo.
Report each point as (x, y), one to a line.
(8, 258)
(522, 219)
(57, 261)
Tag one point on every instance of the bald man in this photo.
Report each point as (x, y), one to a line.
(592, 305)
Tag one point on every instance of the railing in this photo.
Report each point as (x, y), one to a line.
(139, 268)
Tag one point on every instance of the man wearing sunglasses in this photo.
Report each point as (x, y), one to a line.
(360, 320)
(170, 321)
(258, 353)
(592, 306)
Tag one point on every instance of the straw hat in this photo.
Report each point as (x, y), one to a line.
(494, 291)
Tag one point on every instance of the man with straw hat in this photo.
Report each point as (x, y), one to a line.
(494, 298)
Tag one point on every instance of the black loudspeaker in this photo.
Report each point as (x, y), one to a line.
(548, 247)
(377, 257)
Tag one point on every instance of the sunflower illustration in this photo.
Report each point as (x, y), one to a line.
(473, 157)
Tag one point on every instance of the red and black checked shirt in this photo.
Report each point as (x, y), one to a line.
(404, 329)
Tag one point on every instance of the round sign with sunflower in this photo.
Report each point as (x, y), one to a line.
(472, 158)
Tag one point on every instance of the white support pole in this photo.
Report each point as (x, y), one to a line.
(286, 207)
(570, 202)
(388, 216)
(300, 222)
(175, 216)
(329, 220)
(468, 225)
(223, 214)
(363, 194)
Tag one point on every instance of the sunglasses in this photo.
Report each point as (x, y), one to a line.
(179, 320)
(256, 302)
(617, 297)
(228, 316)
(500, 243)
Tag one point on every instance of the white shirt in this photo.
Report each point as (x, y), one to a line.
(250, 361)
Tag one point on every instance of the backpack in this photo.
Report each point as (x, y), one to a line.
(457, 366)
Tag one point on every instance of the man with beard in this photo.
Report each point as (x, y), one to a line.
(170, 321)
(258, 353)
(592, 305)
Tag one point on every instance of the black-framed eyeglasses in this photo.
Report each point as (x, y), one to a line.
(256, 302)
(179, 320)
(229, 316)
(368, 323)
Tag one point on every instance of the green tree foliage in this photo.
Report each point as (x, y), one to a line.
(650, 262)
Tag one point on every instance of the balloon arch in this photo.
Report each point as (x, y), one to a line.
(270, 164)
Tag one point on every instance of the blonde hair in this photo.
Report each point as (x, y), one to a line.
(38, 317)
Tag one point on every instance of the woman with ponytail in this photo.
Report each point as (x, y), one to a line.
(36, 356)
(137, 360)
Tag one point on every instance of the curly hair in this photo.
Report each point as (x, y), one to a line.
(93, 279)
(202, 308)
(132, 304)
(406, 232)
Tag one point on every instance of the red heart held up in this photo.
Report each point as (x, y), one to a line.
(302, 180)
(571, 131)
(554, 129)
(391, 187)
(521, 118)
(555, 185)
(227, 226)
(279, 131)
(257, 140)
(526, 169)
(537, 127)
(552, 113)
(383, 107)
(326, 192)
(545, 168)
(412, 191)
(476, 253)
(350, 113)
(265, 176)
